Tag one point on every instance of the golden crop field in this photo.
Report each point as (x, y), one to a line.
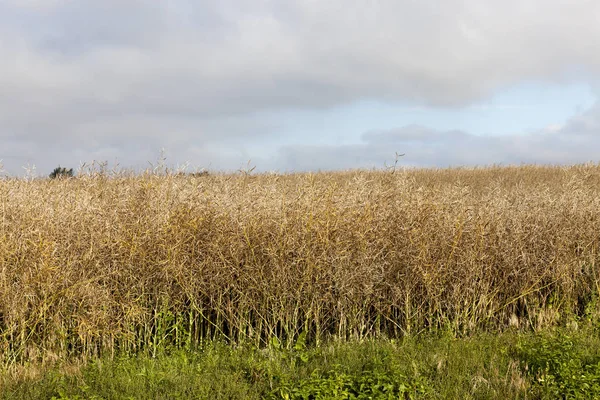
(101, 263)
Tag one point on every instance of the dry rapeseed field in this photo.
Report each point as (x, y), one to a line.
(103, 263)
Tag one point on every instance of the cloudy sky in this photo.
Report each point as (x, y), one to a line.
(291, 85)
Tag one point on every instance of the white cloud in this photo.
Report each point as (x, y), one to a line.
(244, 55)
(86, 71)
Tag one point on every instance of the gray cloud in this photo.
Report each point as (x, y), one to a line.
(238, 55)
(96, 78)
(577, 141)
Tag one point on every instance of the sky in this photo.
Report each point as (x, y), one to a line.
(298, 85)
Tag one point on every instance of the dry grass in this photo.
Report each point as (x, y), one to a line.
(104, 263)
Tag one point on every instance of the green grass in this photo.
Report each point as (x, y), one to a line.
(550, 365)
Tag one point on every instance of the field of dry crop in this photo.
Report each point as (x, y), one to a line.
(99, 264)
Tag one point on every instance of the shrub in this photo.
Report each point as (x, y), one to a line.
(560, 367)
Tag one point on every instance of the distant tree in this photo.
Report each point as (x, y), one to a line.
(192, 174)
(198, 174)
(61, 172)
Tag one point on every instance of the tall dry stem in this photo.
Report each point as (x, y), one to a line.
(117, 262)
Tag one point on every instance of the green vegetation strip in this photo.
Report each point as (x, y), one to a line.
(550, 365)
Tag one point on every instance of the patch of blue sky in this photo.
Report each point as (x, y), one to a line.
(520, 109)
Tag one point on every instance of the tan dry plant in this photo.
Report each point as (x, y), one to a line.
(117, 262)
